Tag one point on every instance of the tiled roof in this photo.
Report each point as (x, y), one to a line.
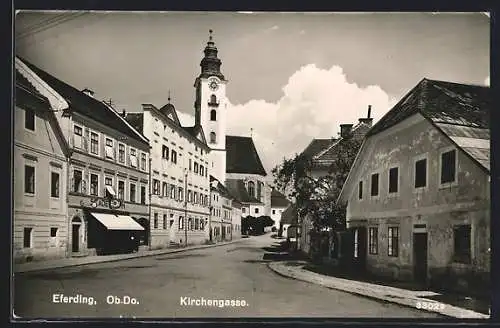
(27, 89)
(358, 132)
(168, 112)
(194, 131)
(87, 105)
(316, 146)
(278, 199)
(136, 120)
(460, 111)
(242, 156)
(442, 102)
(474, 141)
(289, 216)
(237, 188)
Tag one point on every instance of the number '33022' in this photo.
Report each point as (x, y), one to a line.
(430, 306)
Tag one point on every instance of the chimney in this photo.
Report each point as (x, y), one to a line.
(124, 114)
(368, 120)
(88, 92)
(345, 130)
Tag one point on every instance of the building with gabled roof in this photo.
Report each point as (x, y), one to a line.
(179, 176)
(418, 194)
(289, 217)
(323, 153)
(107, 193)
(279, 203)
(41, 152)
(225, 216)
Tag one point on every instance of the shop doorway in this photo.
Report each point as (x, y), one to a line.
(76, 223)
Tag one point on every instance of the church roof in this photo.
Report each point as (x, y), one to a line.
(242, 156)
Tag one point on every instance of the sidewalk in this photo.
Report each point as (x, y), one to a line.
(77, 261)
(414, 299)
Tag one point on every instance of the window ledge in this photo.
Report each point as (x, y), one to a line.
(448, 185)
(417, 190)
(29, 194)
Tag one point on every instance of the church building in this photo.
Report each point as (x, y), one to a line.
(233, 159)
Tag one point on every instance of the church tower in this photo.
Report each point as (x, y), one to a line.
(210, 108)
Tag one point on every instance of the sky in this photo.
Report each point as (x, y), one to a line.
(291, 77)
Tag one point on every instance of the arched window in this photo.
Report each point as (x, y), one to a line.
(251, 188)
(213, 115)
(212, 137)
(213, 99)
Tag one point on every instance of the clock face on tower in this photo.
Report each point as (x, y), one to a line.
(213, 84)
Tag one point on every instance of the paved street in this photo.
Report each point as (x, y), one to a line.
(232, 272)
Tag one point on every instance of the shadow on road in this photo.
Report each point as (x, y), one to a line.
(244, 248)
(257, 261)
(51, 275)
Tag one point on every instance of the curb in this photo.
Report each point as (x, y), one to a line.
(408, 301)
(127, 257)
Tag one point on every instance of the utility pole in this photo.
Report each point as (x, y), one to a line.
(185, 208)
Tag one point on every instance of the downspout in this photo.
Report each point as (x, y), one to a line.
(68, 179)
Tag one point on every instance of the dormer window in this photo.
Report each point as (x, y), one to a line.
(213, 115)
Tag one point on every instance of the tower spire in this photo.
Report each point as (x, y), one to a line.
(210, 64)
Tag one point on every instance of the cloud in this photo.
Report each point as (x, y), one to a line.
(314, 103)
(487, 81)
(275, 27)
(302, 32)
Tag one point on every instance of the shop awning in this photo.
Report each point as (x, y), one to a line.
(117, 222)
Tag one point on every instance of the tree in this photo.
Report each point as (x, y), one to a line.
(317, 197)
